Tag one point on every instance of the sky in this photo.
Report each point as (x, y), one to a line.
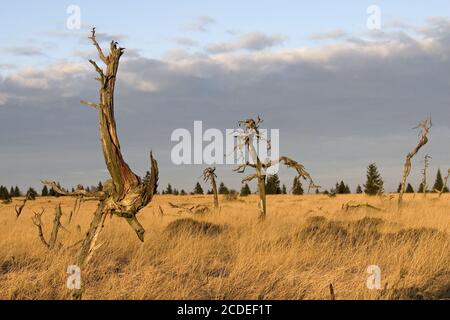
(342, 95)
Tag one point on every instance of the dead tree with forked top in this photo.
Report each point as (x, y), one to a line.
(209, 175)
(19, 208)
(424, 127)
(125, 194)
(37, 220)
(250, 132)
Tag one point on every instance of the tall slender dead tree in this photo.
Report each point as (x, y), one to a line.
(125, 194)
(424, 127)
(250, 132)
(444, 185)
(209, 175)
(426, 164)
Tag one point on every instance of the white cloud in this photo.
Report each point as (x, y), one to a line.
(138, 83)
(254, 41)
(200, 24)
(186, 42)
(22, 51)
(332, 35)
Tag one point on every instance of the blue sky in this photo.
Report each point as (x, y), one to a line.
(341, 95)
(154, 26)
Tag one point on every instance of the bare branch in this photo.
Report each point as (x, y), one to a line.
(249, 178)
(37, 220)
(301, 171)
(79, 192)
(99, 49)
(90, 104)
(19, 208)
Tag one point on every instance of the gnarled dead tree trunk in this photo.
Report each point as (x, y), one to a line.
(209, 175)
(424, 127)
(250, 131)
(125, 194)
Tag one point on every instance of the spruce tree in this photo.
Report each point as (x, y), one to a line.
(4, 194)
(17, 192)
(198, 189)
(421, 188)
(359, 190)
(374, 182)
(297, 188)
(341, 189)
(31, 194)
(169, 189)
(223, 189)
(347, 189)
(245, 190)
(44, 192)
(273, 185)
(284, 189)
(100, 186)
(439, 183)
(182, 192)
(409, 188)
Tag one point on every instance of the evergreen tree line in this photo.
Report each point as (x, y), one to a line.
(373, 186)
(31, 193)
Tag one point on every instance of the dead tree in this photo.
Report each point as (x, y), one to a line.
(250, 132)
(125, 194)
(19, 208)
(424, 127)
(444, 186)
(76, 208)
(426, 164)
(37, 220)
(209, 175)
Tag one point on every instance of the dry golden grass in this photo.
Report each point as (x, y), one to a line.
(293, 255)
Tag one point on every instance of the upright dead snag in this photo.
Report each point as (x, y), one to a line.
(19, 208)
(56, 225)
(251, 131)
(424, 127)
(444, 186)
(76, 208)
(125, 194)
(209, 175)
(426, 164)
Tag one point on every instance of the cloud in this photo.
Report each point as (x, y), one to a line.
(200, 24)
(338, 107)
(332, 35)
(254, 41)
(186, 42)
(3, 99)
(22, 51)
(7, 66)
